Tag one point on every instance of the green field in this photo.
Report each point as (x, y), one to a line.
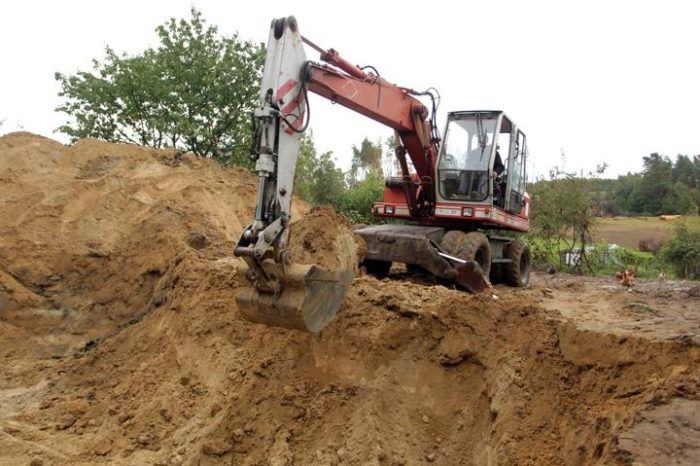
(628, 231)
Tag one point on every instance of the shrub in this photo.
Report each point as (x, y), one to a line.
(682, 251)
(651, 245)
(356, 202)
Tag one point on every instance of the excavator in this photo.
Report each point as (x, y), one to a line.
(458, 202)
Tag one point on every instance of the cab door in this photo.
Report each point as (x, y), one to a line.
(516, 175)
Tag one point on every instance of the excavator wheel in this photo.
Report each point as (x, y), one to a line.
(517, 272)
(475, 249)
(472, 246)
(451, 241)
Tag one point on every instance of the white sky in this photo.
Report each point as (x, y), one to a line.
(602, 80)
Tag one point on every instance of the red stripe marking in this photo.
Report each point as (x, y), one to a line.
(296, 124)
(287, 109)
(285, 88)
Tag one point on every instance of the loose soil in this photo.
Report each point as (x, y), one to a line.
(121, 342)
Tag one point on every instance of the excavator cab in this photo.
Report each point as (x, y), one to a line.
(482, 160)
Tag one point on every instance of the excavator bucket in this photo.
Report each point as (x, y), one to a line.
(471, 277)
(310, 298)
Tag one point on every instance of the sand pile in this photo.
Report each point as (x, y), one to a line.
(95, 230)
(121, 342)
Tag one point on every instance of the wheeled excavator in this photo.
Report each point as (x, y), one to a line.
(460, 197)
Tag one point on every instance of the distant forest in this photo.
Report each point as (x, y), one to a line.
(664, 186)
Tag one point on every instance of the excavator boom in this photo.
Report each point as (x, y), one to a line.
(302, 296)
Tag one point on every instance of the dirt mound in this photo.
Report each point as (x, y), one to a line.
(319, 239)
(93, 231)
(121, 342)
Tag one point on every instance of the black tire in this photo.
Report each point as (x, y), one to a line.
(517, 272)
(379, 269)
(451, 241)
(476, 247)
(472, 246)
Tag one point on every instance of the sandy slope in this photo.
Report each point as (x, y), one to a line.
(120, 341)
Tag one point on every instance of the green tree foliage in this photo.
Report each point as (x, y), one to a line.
(686, 172)
(562, 218)
(655, 186)
(663, 187)
(389, 161)
(357, 201)
(194, 92)
(679, 200)
(366, 158)
(682, 251)
(623, 193)
(320, 182)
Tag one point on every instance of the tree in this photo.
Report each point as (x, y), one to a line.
(656, 184)
(664, 188)
(367, 156)
(679, 201)
(194, 92)
(389, 160)
(329, 183)
(307, 161)
(687, 171)
(684, 171)
(625, 192)
(318, 181)
(562, 219)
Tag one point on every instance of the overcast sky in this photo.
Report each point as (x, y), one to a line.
(603, 81)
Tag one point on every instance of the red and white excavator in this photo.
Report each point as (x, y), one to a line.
(454, 192)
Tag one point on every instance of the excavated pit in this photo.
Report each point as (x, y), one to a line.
(120, 341)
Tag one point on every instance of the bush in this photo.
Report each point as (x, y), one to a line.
(651, 245)
(601, 259)
(682, 251)
(356, 201)
(646, 264)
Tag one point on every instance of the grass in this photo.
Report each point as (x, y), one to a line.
(628, 231)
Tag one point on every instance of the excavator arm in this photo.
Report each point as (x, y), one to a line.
(391, 105)
(303, 296)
